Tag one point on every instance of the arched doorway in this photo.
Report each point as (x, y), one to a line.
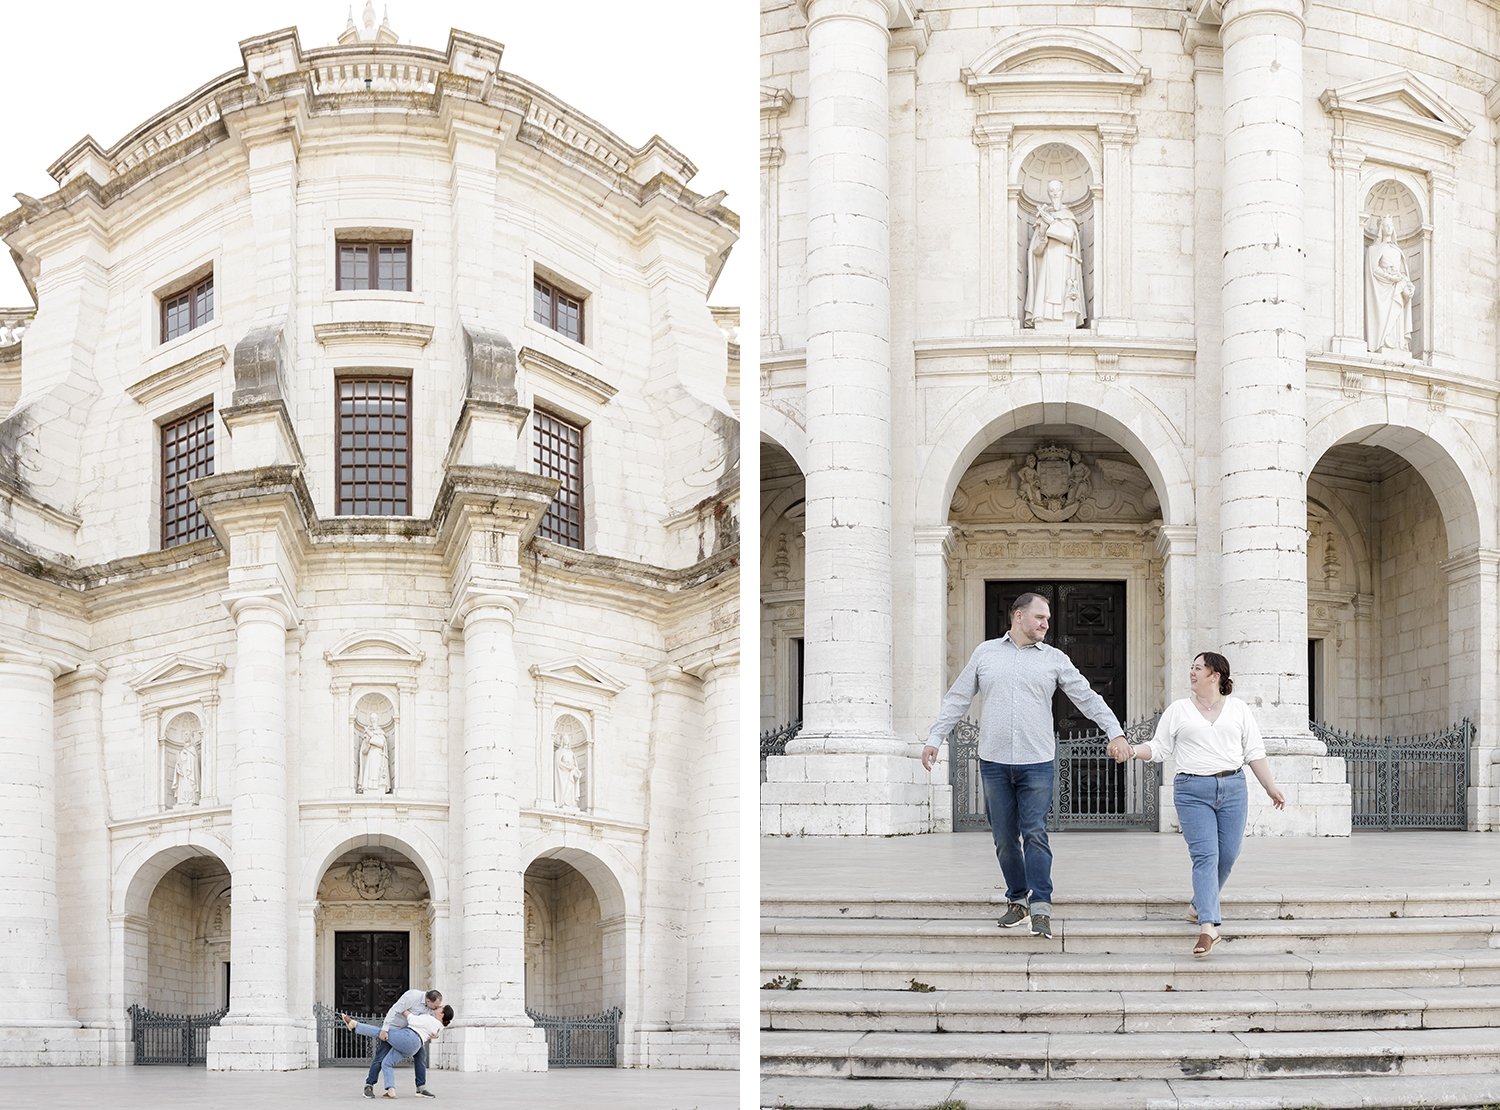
(783, 518)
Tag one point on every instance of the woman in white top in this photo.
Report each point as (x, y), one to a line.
(1211, 737)
(404, 1042)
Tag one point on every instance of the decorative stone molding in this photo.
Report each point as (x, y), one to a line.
(369, 670)
(775, 103)
(1045, 86)
(573, 697)
(558, 372)
(389, 332)
(203, 367)
(179, 702)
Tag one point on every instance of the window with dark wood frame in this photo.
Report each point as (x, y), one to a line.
(187, 452)
(187, 309)
(559, 454)
(374, 265)
(374, 437)
(560, 311)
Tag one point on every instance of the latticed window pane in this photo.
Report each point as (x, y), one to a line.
(374, 265)
(189, 309)
(559, 454)
(187, 452)
(374, 427)
(557, 310)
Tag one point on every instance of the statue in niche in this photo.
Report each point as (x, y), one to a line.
(569, 777)
(1388, 294)
(185, 777)
(374, 758)
(1054, 266)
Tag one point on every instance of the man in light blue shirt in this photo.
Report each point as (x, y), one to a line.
(414, 1001)
(1018, 674)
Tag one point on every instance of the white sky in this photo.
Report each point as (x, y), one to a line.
(683, 69)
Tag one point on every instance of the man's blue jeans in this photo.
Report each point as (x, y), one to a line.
(1018, 796)
(1211, 812)
(418, 1063)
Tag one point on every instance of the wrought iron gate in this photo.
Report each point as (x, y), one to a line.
(337, 1046)
(1405, 782)
(1090, 790)
(773, 742)
(180, 1039)
(581, 1042)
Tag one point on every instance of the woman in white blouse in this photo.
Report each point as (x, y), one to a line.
(1211, 737)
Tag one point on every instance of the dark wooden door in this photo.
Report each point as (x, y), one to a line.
(1088, 623)
(371, 970)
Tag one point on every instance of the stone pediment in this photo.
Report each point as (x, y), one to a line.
(1046, 57)
(175, 671)
(579, 672)
(1398, 102)
(374, 647)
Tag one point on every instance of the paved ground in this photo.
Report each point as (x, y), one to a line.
(964, 863)
(162, 1088)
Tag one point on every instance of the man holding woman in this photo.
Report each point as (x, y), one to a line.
(413, 1020)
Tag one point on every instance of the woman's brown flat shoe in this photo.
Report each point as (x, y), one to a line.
(1205, 945)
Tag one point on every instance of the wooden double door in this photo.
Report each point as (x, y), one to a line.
(1088, 623)
(371, 970)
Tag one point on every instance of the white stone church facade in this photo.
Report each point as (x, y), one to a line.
(368, 570)
(1195, 304)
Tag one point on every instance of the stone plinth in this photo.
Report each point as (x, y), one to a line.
(257, 1042)
(51, 1044)
(845, 794)
(510, 1047)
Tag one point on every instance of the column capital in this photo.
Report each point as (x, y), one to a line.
(1229, 12)
(1471, 561)
(269, 602)
(481, 598)
(1176, 539)
(703, 665)
(889, 15)
(13, 655)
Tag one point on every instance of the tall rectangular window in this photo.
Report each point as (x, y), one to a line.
(560, 311)
(187, 452)
(374, 434)
(374, 265)
(187, 309)
(559, 454)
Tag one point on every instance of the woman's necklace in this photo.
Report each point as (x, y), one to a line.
(1207, 706)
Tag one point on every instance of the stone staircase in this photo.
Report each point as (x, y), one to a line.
(1385, 999)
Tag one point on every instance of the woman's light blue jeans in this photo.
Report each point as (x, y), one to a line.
(1211, 812)
(403, 1042)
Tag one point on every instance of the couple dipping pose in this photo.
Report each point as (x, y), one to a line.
(414, 1020)
(1210, 735)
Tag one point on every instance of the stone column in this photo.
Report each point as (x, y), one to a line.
(32, 963)
(1263, 410)
(259, 1033)
(492, 1031)
(1473, 594)
(847, 741)
(711, 1009)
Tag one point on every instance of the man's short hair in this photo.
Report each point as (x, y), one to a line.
(1024, 602)
(434, 996)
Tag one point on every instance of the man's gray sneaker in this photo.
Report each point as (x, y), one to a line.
(369, 1091)
(425, 1091)
(1015, 914)
(1041, 925)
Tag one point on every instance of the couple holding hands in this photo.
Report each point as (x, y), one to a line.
(1210, 736)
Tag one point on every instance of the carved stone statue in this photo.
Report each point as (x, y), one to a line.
(370, 877)
(374, 760)
(569, 777)
(1054, 267)
(1054, 483)
(1388, 294)
(185, 777)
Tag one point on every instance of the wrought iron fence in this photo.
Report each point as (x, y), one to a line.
(338, 1047)
(1089, 791)
(581, 1042)
(774, 741)
(1405, 782)
(180, 1039)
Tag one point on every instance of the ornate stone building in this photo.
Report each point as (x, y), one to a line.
(368, 606)
(1185, 316)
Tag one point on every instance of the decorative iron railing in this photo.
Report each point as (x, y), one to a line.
(774, 741)
(1089, 791)
(581, 1042)
(337, 1046)
(1405, 782)
(180, 1039)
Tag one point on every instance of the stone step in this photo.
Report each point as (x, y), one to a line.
(1049, 969)
(1177, 1055)
(1084, 936)
(1140, 905)
(1349, 1093)
(1202, 1011)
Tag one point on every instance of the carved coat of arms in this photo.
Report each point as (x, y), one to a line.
(1053, 482)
